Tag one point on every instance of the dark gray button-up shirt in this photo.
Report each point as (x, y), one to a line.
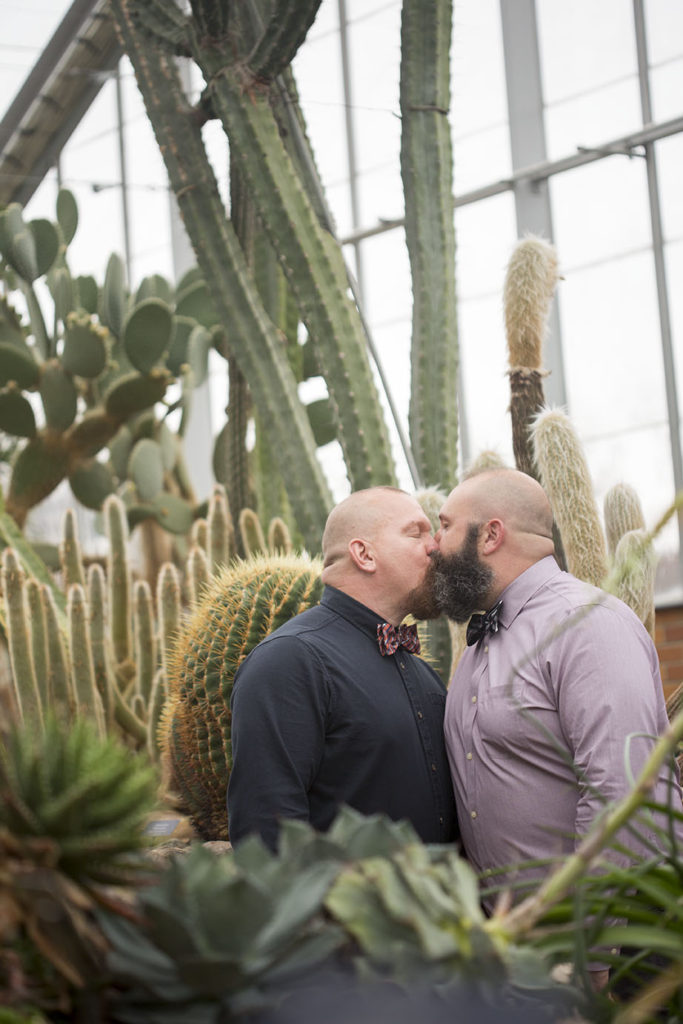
(320, 719)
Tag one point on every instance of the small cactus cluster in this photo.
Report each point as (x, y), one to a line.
(99, 372)
(620, 559)
(245, 602)
(99, 648)
(97, 657)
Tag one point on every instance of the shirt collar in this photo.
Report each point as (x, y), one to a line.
(517, 593)
(353, 611)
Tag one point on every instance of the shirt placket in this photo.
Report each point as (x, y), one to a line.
(405, 667)
(470, 714)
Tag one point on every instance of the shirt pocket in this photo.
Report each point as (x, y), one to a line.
(435, 708)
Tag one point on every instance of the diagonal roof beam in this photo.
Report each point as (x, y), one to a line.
(56, 94)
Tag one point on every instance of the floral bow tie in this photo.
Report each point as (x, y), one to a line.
(390, 638)
(479, 625)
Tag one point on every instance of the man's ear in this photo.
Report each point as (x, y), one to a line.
(362, 555)
(492, 536)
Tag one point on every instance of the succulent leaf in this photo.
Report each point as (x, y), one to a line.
(145, 469)
(46, 240)
(180, 338)
(62, 291)
(85, 351)
(16, 413)
(58, 394)
(17, 364)
(92, 482)
(172, 512)
(67, 214)
(154, 287)
(87, 293)
(134, 393)
(113, 299)
(195, 302)
(147, 333)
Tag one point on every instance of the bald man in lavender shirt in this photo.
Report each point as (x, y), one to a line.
(544, 704)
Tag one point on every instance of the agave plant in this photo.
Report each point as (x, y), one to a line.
(72, 808)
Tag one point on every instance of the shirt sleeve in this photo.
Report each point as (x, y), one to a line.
(278, 731)
(607, 703)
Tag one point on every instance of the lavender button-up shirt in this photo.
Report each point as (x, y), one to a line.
(569, 682)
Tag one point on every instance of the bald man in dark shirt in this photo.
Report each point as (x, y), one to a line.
(334, 708)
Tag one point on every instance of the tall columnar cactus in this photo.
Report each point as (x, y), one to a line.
(243, 604)
(632, 577)
(564, 475)
(529, 287)
(310, 256)
(623, 512)
(28, 695)
(254, 339)
(221, 530)
(631, 548)
(427, 173)
(530, 282)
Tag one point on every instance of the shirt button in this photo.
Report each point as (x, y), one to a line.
(419, 714)
(433, 767)
(473, 814)
(486, 649)
(402, 664)
(474, 700)
(441, 821)
(469, 755)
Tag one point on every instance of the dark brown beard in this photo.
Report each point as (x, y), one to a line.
(461, 582)
(421, 601)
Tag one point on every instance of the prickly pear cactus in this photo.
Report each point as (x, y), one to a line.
(245, 602)
(99, 372)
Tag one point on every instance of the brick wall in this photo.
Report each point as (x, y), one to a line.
(669, 641)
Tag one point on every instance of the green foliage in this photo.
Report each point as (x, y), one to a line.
(239, 933)
(106, 365)
(80, 795)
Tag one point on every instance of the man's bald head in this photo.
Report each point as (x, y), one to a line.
(509, 495)
(376, 548)
(359, 515)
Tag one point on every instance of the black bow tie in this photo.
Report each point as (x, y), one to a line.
(479, 625)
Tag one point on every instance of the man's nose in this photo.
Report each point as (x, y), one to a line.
(433, 544)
